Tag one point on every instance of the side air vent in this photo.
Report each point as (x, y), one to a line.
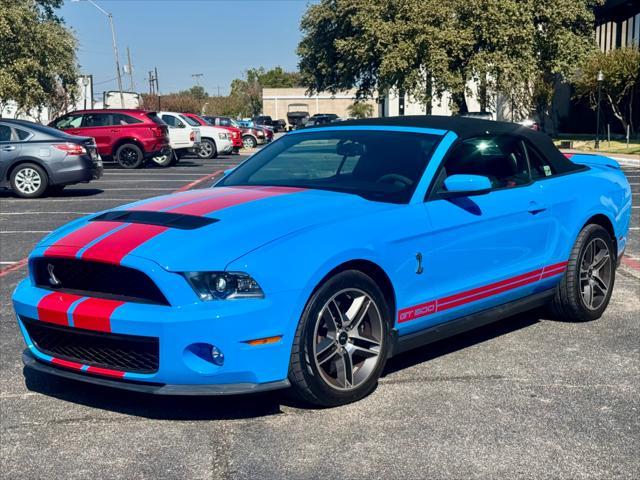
(162, 219)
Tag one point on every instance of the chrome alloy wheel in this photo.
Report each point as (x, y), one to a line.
(347, 339)
(205, 150)
(28, 180)
(595, 273)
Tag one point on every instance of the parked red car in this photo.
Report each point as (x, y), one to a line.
(251, 137)
(236, 133)
(125, 136)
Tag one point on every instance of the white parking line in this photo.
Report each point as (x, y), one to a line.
(171, 189)
(144, 181)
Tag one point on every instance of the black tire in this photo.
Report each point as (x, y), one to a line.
(568, 304)
(29, 180)
(129, 156)
(248, 141)
(307, 382)
(207, 149)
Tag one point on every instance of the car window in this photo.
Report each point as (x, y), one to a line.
(97, 120)
(225, 122)
(5, 133)
(190, 121)
(22, 134)
(381, 166)
(171, 120)
(122, 119)
(69, 121)
(540, 167)
(501, 158)
(155, 118)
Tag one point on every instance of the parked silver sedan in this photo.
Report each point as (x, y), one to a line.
(35, 159)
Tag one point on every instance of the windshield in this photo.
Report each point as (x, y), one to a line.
(378, 165)
(190, 121)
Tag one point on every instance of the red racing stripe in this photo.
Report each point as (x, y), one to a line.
(105, 371)
(218, 203)
(53, 307)
(479, 293)
(66, 363)
(115, 247)
(175, 199)
(95, 314)
(69, 245)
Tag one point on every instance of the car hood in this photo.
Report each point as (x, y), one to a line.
(203, 229)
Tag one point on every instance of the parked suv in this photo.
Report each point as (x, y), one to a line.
(125, 136)
(251, 137)
(35, 159)
(214, 139)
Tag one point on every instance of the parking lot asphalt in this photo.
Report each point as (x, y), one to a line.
(527, 397)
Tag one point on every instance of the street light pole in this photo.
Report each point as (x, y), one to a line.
(115, 47)
(600, 79)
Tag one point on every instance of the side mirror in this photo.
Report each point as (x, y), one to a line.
(465, 186)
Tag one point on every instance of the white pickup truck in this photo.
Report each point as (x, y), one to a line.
(183, 138)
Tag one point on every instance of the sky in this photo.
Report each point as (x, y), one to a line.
(220, 39)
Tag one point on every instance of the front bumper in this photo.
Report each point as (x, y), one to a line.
(228, 325)
(31, 362)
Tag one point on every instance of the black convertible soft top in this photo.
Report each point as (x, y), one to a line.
(465, 127)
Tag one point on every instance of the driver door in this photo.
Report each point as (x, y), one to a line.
(480, 250)
(178, 131)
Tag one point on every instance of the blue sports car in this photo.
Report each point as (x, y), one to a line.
(324, 254)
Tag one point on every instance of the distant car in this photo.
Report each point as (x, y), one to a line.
(297, 115)
(279, 125)
(251, 137)
(234, 132)
(530, 123)
(322, 119)
(213, 139)
(183, 136)
(268, 132)
(126, 136)
(264, 121)
(317, 259)
(35, 159)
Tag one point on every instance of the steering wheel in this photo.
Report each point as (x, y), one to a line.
(395, 177)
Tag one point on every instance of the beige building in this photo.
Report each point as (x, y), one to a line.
(276, 102)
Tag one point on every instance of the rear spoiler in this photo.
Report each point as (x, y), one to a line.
(593, 160)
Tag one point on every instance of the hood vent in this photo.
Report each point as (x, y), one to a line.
(162, 219)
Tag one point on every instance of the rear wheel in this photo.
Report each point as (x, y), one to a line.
(164, 160)
(585, 289)
(129, 156)
(207, 149)
(341, 342)
(29, 180)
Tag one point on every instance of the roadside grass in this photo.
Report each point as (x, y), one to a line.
(586, 144)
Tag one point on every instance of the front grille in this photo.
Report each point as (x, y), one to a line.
(129, 353)
(96, 279)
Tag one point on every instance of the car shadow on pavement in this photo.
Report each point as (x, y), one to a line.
(243, 406)
(67, 193)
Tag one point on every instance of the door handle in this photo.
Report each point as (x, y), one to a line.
(536, 208)
(7, 148)
(115, 130)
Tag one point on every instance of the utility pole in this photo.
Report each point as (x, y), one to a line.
(152, 89)
(155, 69)
(115, 47)
(133, 85)
(196, 77)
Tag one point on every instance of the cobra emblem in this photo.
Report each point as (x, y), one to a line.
(53, 280)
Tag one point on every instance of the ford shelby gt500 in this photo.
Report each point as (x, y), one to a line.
(324, 254)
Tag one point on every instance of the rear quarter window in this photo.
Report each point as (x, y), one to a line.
(155, 118)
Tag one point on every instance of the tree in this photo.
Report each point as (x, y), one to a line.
(360, 110)
(426, 47)
(621, 84)
(563, 36)
(198, 92)
(38, 66)
(247, 91)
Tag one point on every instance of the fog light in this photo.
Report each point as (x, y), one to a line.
(217, 356)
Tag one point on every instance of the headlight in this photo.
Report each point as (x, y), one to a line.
(223, 285)
(223, 136)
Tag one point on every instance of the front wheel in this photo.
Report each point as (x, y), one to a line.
(249, 142)
(585, 289)
(341, 342)
(207, 149)
(29, 180)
